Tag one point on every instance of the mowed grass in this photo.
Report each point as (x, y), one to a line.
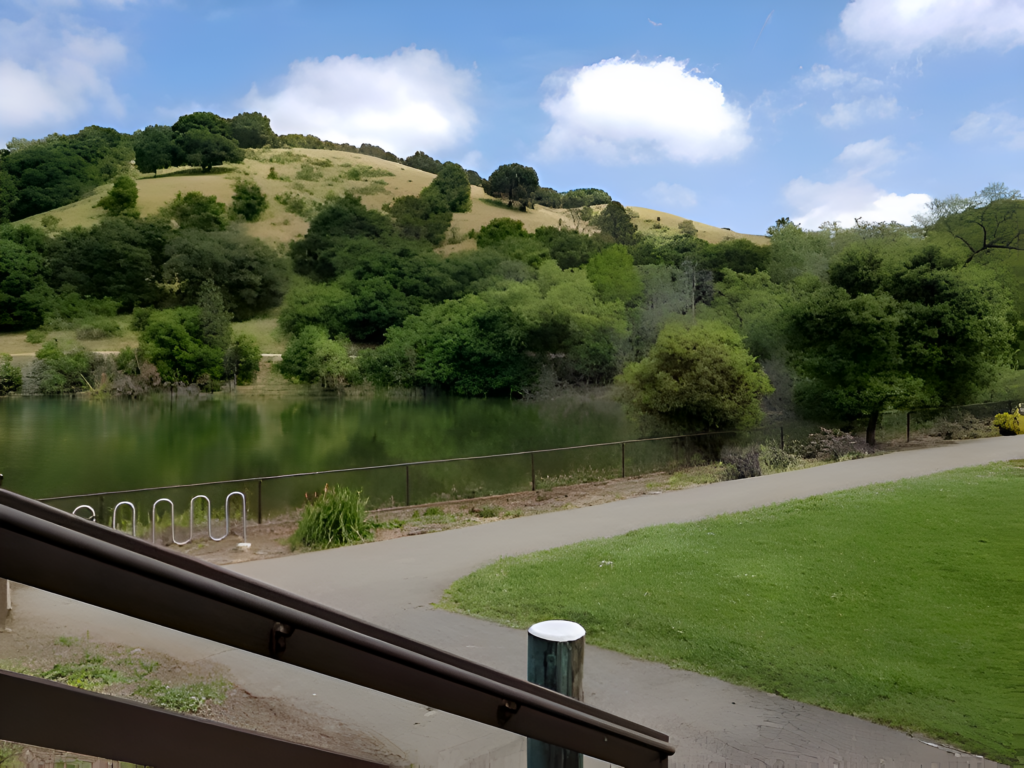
(900, 603)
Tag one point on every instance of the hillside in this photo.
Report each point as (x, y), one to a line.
(378, 182)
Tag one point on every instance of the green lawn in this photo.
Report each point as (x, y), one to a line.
(900, 602)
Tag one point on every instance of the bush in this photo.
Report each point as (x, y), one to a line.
(1010, 423)
(249, 202)
(10, 375)
(743, 464)
(332, 519)
(309, 172)
(58, 371)
(961, 425)
(835, 445)
(121, 199)
(298, 205)
(775, 458)
(196, 211)
(99, 328)
(313, 356)
(242, 360)
(35, 336)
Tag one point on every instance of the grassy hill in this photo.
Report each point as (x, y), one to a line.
(377, 181)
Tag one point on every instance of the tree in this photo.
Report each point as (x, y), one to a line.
(342, 219)
(313, 356)
(453, 185)
(739, 255)
(242, 360)
(119, 257)
(248, 273)
(326, 305)
(10, 379)
(424, 162)
(201, 147)
(990, 220)
(898, 324)
(206, 121)
(615, 222)
(58, 371)
(426, 216)
(696, 378)
(499, 229)
(8, 195)
(25, 296)
(214, 320)
(518, 183)
(194, 210)
(614, 276)
(155, 149)
(172, 340)
(48, 177)
(121, 200)
(249, 202)
(251, 130)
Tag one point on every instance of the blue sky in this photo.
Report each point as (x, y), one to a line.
(730, 113)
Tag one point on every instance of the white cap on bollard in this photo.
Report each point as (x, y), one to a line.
(558, 631)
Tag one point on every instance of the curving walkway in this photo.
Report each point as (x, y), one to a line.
(393, 583)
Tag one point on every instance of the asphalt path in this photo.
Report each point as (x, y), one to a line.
(394, 583)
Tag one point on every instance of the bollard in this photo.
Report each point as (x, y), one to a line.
(5, 603)
(555, 661)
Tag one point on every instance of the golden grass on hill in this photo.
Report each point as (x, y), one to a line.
(279, 226)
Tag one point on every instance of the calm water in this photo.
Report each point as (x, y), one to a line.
(53, 447)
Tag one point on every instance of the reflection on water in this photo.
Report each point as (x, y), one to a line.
(58, 446)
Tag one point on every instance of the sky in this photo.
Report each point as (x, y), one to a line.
(730, 113)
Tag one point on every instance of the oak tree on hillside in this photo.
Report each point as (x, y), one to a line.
(155, 149)
(518, 183)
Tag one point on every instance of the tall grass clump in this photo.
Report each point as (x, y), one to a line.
(332, 519)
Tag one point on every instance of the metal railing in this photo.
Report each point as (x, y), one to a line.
(390, 486)
(48, 549)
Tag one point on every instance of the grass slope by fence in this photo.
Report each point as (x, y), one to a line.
(900, 602)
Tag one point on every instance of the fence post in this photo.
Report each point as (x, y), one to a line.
(623, 459)
(5, 602)
(908, 426)
(259, 502)
(533, 474)
(407, 485)
(555, 662)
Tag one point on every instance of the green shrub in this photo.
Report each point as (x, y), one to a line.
(775, 458)
(242, 360)
(58, 371)
(99, 328)
(195, 210)
(309, 172)
(313, 356)
(332, 519)
(35, 336)
(249, 202)
(1010, 423)
(297, 204)
(10, 375)
(122, 198)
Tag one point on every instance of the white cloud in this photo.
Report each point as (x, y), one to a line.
(627, 111)
(673, 195)
(866, 156)
(823, 77)
(1003, 127)
(902, 27)
(404, 102)
(854, 195)
(850, 113)
(50, 75)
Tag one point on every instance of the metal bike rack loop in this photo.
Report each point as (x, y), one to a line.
(113, 522)
(152, 530)
(227, 523)
(84, 506)
(191, 520)
(227, 502)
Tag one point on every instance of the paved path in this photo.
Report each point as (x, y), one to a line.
(393, 583)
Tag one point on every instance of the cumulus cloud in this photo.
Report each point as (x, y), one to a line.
(845, 114)
(619, 111)
(854, 195)
(1002, 127)
(404, 102)
(51, 74)
(902, 27)
(673, 195)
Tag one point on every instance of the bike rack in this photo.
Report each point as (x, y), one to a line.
(227, 523)
(113, 523)
(152, 531)
(191, 520)
(84, 506)
(228, 501)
